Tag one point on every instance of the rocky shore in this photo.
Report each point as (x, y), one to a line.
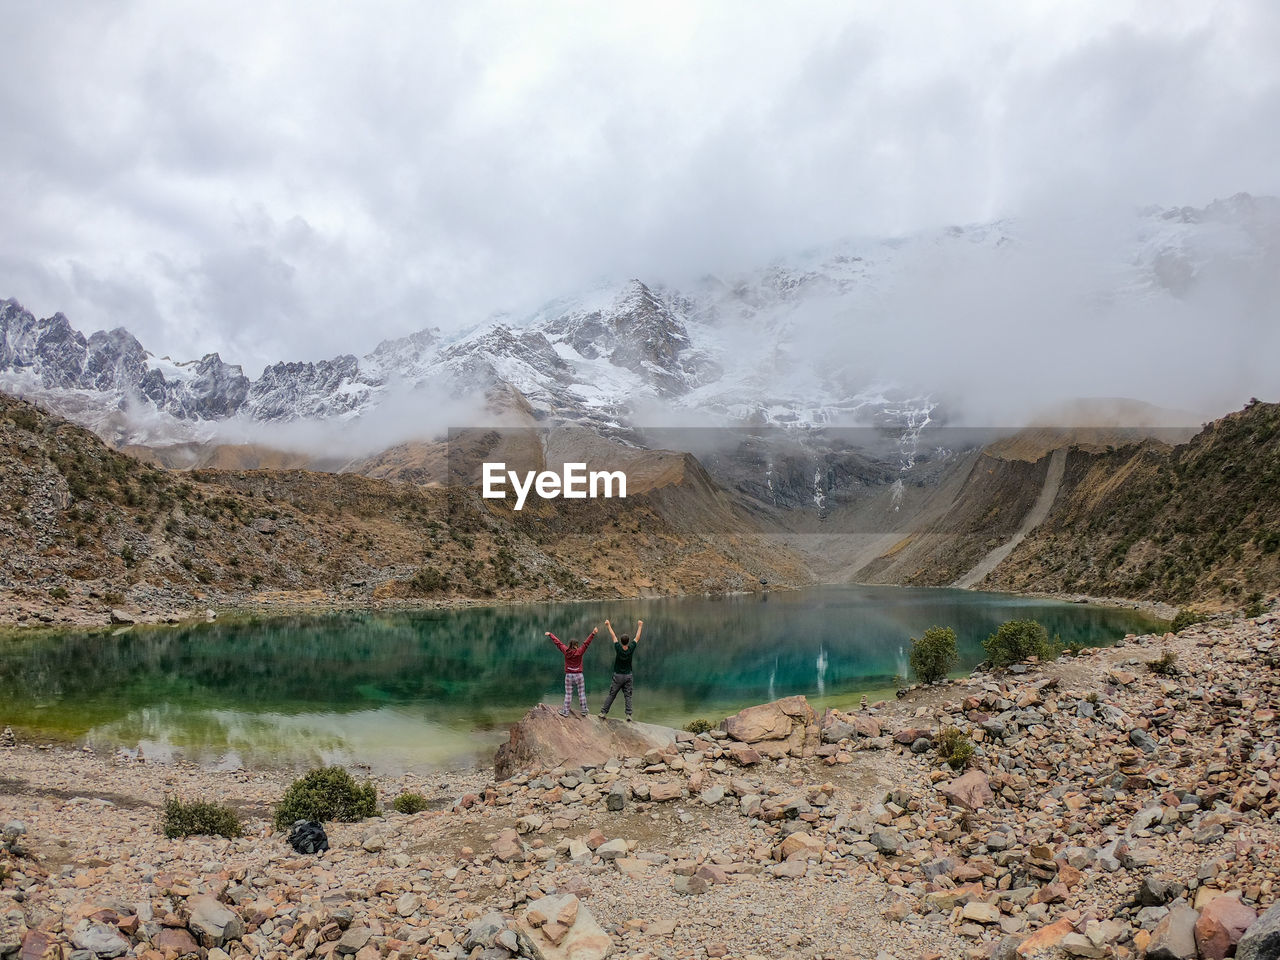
(1108, 811)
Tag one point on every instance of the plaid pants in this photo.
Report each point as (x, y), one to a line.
(572, 680)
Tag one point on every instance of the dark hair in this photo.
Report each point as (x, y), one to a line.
(574, 644)
(625, 638)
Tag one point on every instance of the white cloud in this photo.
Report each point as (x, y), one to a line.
(281, 180)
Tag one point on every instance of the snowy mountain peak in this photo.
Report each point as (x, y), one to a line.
(777, 345)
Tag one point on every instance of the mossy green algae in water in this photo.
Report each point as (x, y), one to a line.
(416, 689)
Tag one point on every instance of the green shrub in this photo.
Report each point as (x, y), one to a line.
(198, 818)
(59, 593)
(1053, 649)
(699, 726)
(410, 803)
(428, 580)
(1015, 641)
(954, 748)
(1186, 617)
(934, 654)
(25, 420)
(1166, 664)
(326, 794)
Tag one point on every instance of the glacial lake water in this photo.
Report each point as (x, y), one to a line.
(437, 688)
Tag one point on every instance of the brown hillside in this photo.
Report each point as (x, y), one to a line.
(91, 529)
(995, 496)
(1199, 522)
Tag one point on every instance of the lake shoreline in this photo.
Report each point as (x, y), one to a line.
(45, 615)
(714, 857)
(420, 689)
(21, 616)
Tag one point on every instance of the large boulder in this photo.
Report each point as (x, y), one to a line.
(544, 739)
(786, 727)
(560, 928)
(1221, 925)
(1262, 940)
(971, 791)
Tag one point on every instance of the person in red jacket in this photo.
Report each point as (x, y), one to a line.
(573, 670)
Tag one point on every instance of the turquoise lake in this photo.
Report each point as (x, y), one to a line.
(436, 688)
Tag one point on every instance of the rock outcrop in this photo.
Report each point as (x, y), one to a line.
(783, 728)
(544, 739)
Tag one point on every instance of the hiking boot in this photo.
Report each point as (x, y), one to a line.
(586, 713)
(629, 720)
(564, 711)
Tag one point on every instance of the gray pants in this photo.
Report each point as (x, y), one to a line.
(621, 681)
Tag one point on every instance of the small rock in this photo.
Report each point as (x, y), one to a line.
(354, 940)
(100, 939)
(484, 931)
(690, 886)
(213, 923)
(712, 795)
(1143, 740)
(888, 842)
(612, 850)
(1174, 936)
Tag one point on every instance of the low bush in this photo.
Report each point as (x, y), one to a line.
(25, 420)
(1186, 617)
(1015, 641)
(1166, 664)
(934, 654)
(428, 580)
(198, 818)
(329, 793)
(59, 593)
(699, 726)
(410, 803)
(954, 748)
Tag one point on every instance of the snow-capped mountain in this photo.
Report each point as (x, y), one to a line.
(774, 346)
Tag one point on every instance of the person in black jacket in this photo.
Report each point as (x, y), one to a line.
(623, 649)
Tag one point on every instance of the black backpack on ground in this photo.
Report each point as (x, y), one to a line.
(308, 836)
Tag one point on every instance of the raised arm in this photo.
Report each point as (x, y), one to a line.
(611, 633)
(639, 627)
(591, 636)
(556, 641)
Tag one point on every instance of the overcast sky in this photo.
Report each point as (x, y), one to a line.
(299, 180)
